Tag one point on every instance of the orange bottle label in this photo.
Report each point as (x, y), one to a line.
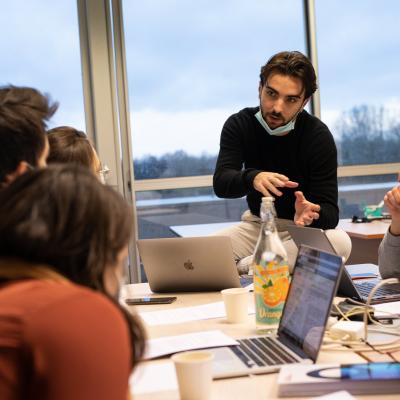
(271, 285)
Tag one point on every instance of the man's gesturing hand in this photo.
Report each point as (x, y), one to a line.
(268, 182)
(306, 211)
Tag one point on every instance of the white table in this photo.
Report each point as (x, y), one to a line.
(248, 388)
(200, 229)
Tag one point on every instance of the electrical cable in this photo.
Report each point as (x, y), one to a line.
(367, 311)
(367, 315)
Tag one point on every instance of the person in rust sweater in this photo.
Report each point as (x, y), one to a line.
(63, 244)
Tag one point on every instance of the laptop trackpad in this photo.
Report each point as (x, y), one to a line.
(225, 362)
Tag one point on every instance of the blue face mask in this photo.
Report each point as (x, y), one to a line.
(280, 130)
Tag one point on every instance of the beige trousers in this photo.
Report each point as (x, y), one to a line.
(244, 237)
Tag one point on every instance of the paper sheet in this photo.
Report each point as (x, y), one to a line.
(186, 314)
(363, 270)
(135, 290)
(153, 377)
(189, 341)
(387, 309)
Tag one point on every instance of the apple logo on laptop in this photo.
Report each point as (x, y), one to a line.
(188, 265)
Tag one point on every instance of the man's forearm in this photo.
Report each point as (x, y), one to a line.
(229, 183)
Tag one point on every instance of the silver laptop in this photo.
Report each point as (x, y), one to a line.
(302, 325)
(313, 237)
(189, 264)
(357, 290)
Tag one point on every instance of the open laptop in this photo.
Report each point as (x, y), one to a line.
(189, 264)
(302, 325)
(355, 289)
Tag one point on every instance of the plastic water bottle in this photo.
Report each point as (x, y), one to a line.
(270, 269)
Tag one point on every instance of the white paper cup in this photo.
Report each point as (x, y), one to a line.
(236, 302)
(194, 374)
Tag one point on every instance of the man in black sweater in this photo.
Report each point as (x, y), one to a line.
(279, 150)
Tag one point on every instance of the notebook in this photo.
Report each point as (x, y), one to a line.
(302, 325)
(189, 264)
(357, 290)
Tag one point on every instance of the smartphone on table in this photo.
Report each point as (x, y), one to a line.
(140, 301)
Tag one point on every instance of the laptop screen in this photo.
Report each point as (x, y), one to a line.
(309, 300)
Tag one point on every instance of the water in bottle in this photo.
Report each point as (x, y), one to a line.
(270, 269)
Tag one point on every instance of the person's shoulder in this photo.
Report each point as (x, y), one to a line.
(313, 123)
(32, 308)
(245, 113)
(69, 305)
(242, 118)
(72, 295)
(35, 298)
(314, 128)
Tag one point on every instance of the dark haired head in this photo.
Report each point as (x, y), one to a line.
(68, 145)
(63, 217)
(293, 64)
(24, 113)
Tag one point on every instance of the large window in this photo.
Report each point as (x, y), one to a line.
(190, 66)
(359, 78)
(360, 90)
(40, 48)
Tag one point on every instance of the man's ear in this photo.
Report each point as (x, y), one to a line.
(22, 167)
(260, 87)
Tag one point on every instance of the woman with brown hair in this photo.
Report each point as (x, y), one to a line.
(63, 245)
(69, 145)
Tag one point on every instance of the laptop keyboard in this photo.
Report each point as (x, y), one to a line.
(365, 288)
(261, 352)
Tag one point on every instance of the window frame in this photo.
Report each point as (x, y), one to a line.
(107, 106)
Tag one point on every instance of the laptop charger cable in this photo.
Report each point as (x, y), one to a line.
(368, 304)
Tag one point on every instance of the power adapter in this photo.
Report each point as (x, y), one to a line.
(331, 321)
(347, 330)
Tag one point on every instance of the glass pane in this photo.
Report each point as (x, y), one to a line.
(40, 48)
(190, 66)
(159, 210)
(357, 192)
(358, 44)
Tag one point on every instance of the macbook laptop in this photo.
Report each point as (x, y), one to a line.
(189, 264)
(302, 325)
(355, 289)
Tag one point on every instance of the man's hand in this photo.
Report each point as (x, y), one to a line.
(306, 211)
(392, 202)
(268, 182)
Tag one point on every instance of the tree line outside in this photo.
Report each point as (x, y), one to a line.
(367, 135)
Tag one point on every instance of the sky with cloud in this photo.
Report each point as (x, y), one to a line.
(192, 64)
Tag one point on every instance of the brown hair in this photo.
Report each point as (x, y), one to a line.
(294, 64)
(68, 145)
(63, 217)
(24, 113)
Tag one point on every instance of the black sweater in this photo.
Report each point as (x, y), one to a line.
(306, 155)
